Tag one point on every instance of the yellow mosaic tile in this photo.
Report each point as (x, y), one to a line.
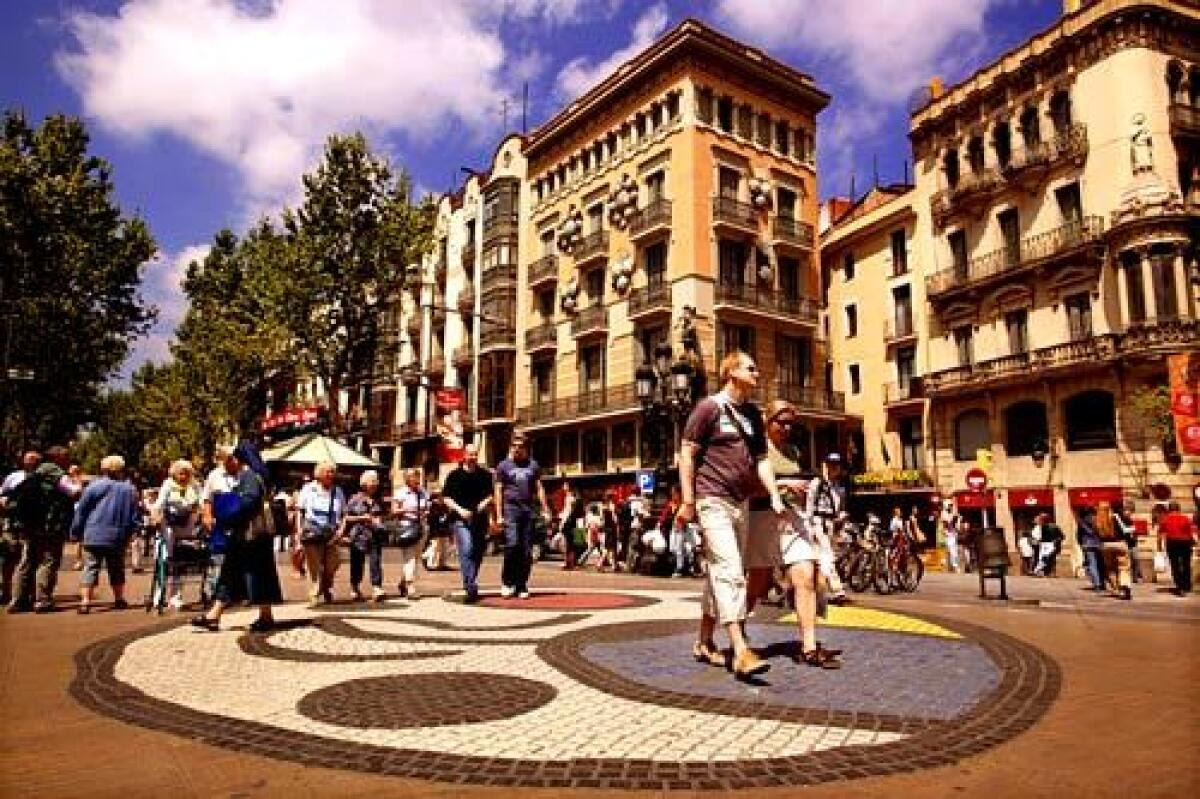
(868, 619)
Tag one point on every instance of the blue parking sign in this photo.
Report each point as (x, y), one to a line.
(645, 481)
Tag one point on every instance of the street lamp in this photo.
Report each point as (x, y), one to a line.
(664, 390)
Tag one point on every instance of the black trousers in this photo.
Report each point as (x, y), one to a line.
(1179, 554)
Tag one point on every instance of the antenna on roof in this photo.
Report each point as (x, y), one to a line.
(875, 168)
(524, 108)
(906, 183)
(504, 114)
(851, 187)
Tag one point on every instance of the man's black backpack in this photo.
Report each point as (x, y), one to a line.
(31, 502)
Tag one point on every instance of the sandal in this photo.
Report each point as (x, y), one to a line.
(262, 625)
(205, 623)
(831, 652)
(708, 653)
(820, 658)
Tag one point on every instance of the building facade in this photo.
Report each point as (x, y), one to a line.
(1055, 220)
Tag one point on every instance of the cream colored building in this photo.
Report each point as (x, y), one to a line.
(1055, 220)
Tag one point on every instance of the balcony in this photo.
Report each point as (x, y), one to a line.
(1156, 337)
(468, 257)
(500, 226)
(1082, 237)
(381, 432)
(543, 271)
(602, 401)
(466, 300)
(971, 191)
(785, 230)
(899, 330)
(542, 338)
(494, 407)
(903, 393)
(590, 321)
(500, 275)
(497, 337)
(810, 399)
(463, 356)
(654, 218)
(649, 300)
(766, 301)
(436, 368)
(592, 247)
(1185, 120)
(408, 431)
(731, 213)
(1032, 162)
(1021, 367)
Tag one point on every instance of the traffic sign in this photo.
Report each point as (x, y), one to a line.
(645, 481)
(977, 479)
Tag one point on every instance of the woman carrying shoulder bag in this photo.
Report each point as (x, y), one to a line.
(411, 508)
(320, 512)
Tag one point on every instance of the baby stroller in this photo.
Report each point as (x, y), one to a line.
(178, 561)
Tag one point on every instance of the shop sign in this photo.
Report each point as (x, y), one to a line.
(974, 500)
(449, 405)
(1184, 378)
(293, 416)
(977, 479)
(1030, 498)
(1090, 497)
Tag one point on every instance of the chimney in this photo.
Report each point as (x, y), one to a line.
(936, 88)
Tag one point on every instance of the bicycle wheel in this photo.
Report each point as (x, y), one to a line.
(881, 577)
(911, 572)
(860, 572)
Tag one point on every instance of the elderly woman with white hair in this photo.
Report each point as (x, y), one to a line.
(105, 517)
(176, 511)
(320, 512)
(364, 521)
(411, 505)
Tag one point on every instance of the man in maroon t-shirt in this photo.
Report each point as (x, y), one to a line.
(721, 463)
(1178, 534)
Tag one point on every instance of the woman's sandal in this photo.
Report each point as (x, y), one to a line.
(820, 658)
(205, 623)
(708, 653)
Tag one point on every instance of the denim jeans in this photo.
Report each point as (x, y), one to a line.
(471, 545)
(1094, 568)
(1179, 555)
(373, 556)
(518, 549)
(952, 551)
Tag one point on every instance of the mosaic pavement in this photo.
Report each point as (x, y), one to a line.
(587, 689)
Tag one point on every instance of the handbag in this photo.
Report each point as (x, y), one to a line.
(314, 533)
(1160, 562)
(406, 535)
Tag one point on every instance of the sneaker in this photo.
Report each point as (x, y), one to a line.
(471, 598)
(708, 653)
(45, 606)
(523, 594)
(507, 591)
(377, 594)
(20, 607)
(748, 664)
(676, 574)
(120, 604)
(356, 596)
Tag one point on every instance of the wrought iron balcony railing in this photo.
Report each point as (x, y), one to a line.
(543, 270)
(645, 299)
(903, 391)
(811, 398)
(898, 328)
(500, 226)
(543, 336)
(1022, 366)
(654, 217)
(1185, 119)
(463, 356)
(593, 245)
(609, 399)
(727, 210)
(590, 320)
(1071, 143)
(765, 299)
(494, 336)
(793, 231)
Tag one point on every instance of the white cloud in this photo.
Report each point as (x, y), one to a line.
(891, 47)
(259, 85)
(581, 74)
(162, 287)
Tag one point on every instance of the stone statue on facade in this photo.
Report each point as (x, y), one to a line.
(1141, 146)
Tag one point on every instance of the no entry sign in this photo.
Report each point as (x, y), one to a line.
(977, 479)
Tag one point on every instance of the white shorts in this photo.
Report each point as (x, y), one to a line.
(779, 540)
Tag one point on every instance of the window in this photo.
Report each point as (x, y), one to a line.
(762, 132)
(673, 106)
(912, 443)
(1135, 290)
(725, 114)
(545, 304)
(729, 182)
(1091, 421)
(783, 138)
(1070, 206)
(1025, 428)
(789, 278)
(410, 404)
(736, 338)
(958, 251)
(848, 266)
(1079, 316)
(542, 448)
(793, 361)
(906, 367)
(899, 253)
(975, 156)
(542, 373)
(951, 167)
(1060, 112)
(624, 437)
(594, 286)
(595, 449)
(656, 263)
(1031, 129)
(591, 368)
(1162, 270)
(971, 434)
(1017, 324)
(902, 316)
(647, 339)
(964, 344)
(732, 262)
(595, 215)
(1002, 141)
(1010, 231)
(855, 379)
(568, 448)
(547, 240)
(851, 321)
(745, 121)
(655, 182)
(785, 203)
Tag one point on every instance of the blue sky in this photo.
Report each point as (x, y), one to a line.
(210, 110)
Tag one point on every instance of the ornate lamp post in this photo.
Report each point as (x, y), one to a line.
(664, 390)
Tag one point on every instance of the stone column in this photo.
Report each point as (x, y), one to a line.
(1149, 297)
(1183, 285)
(1122, 294)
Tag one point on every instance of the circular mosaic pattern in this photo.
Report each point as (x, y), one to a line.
(424, 700)
(566, 601)
(605, 699)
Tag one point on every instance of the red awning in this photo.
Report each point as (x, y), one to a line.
(1030, 498)
(1080, 497)
(975, 500)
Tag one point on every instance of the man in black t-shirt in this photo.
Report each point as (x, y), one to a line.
(467, 494)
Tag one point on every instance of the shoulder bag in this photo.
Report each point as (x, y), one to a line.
(314, 533)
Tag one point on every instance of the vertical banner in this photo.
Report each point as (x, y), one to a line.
(449, 406)
(1184, 376)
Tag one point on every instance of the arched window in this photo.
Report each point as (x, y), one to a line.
(1175, 81)
(1025, 428)
(1002, 141)
(971, 433)
(1031, 129)
(1060, 112)
(1091, 421)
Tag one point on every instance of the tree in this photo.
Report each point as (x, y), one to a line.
(351, 243)
(71, 265)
